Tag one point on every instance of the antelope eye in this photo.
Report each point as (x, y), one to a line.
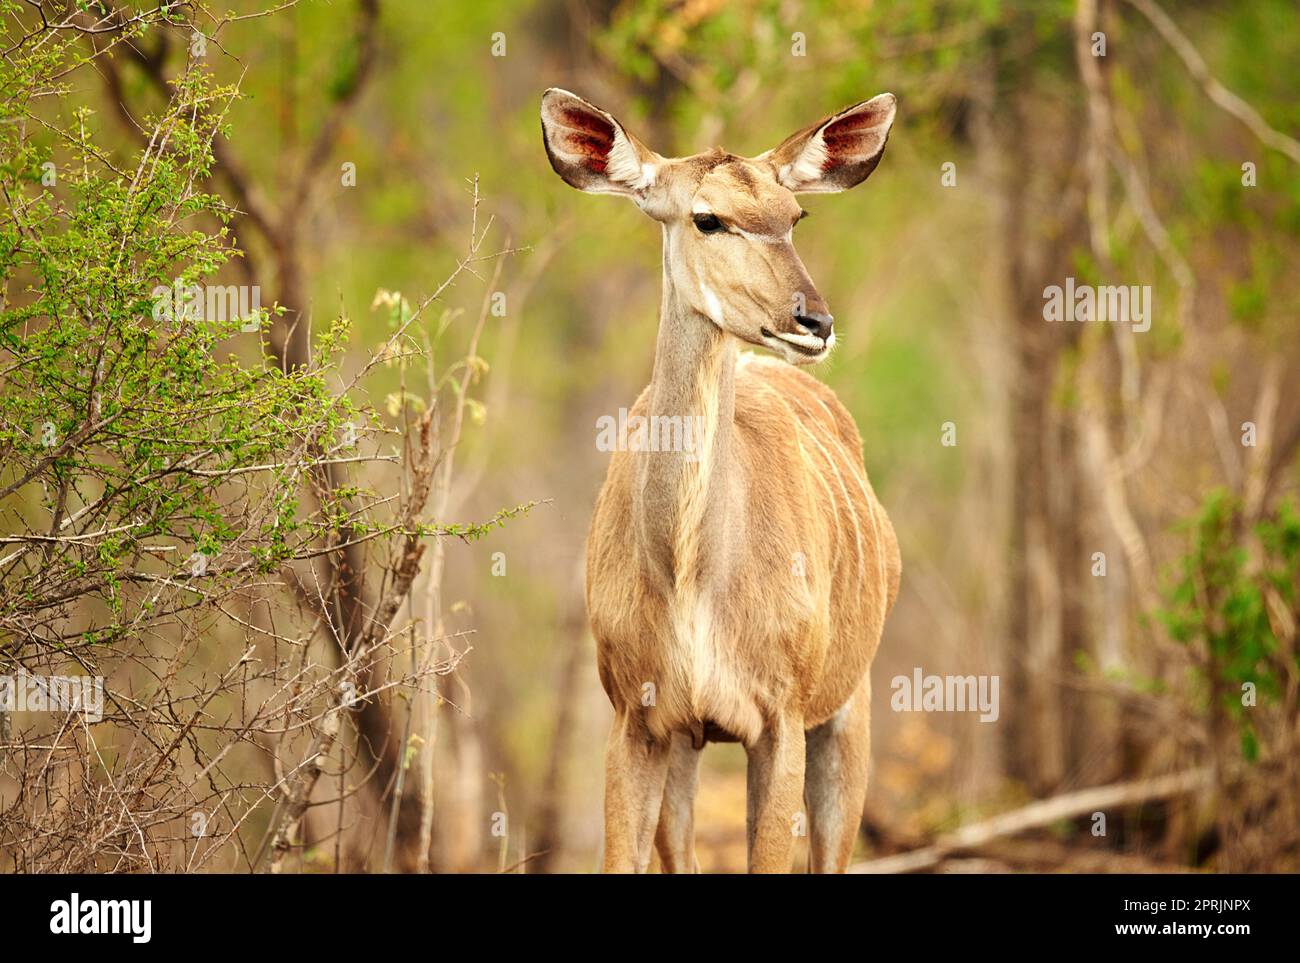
(707, 223)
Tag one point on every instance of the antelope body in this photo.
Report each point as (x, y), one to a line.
(737, 591)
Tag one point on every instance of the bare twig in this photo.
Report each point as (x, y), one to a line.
(1217, 93)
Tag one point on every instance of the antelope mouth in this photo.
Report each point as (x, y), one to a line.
(808, 345)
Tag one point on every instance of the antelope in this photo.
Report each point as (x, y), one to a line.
(736, 591)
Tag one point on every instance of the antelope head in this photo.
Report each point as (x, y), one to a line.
(728, 221)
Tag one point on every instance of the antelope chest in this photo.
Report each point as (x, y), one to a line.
(694, 652)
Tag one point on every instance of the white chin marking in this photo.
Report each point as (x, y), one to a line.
(804, 340)
(803, 348)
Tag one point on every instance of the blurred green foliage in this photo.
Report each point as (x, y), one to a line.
(1228, 607)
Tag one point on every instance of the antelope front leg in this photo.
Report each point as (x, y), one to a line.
(835, 782)
(635, 770)
(775, 788)
(675, 838)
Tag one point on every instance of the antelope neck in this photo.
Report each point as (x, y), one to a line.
(682, 503)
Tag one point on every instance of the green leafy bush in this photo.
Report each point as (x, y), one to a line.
(1235, 604)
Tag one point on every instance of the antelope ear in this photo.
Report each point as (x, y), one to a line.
(591, 150)
(836, 153)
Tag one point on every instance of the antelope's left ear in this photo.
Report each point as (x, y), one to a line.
(836, 153)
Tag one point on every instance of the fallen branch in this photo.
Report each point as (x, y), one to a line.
(1037, 815)
(1039, 855)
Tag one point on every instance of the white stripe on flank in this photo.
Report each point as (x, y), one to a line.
(808, 462)
(858, 563)
(870, 498)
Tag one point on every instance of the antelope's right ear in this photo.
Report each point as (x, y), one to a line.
(591, 150)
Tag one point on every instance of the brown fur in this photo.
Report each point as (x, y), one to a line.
(737, 591)
(784, 642)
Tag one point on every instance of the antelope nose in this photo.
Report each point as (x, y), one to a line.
(816, 323)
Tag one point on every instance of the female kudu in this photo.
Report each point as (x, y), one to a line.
(737, 588)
